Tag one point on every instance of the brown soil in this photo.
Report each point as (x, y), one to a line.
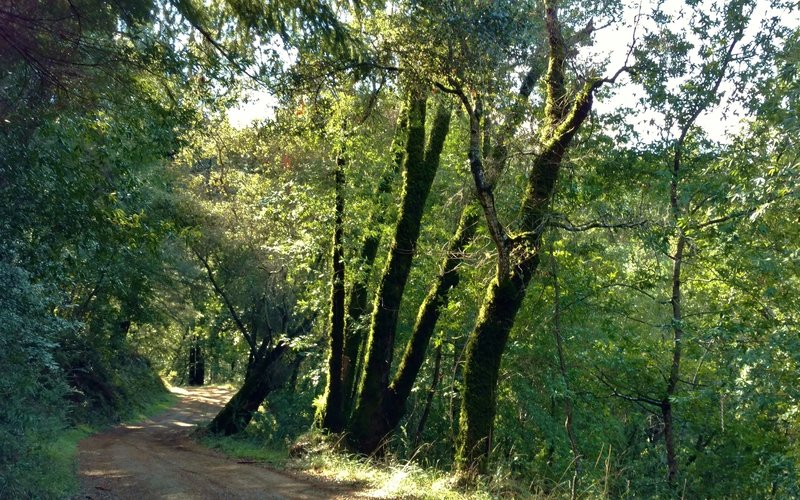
(157, 458)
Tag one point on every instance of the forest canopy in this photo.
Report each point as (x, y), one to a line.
(551, 242)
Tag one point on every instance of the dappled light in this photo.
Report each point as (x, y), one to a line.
(157, 458)
(415, 249)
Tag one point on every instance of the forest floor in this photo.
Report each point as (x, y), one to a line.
(157, 458)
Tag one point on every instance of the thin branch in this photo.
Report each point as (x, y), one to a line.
(568, 226)
(638, 399)
(228, 304)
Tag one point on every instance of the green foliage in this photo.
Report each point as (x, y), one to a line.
(118, 170)
(31, 384)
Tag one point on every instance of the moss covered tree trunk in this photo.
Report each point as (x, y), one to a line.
(266, 374)
(485, 348)
(517, 263)
(429, 311)
(358, 303)
(332, 414)
(517, 254)
(365, 429)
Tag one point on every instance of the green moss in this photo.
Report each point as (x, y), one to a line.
(363, 434)
(481, 370)
(248, 448)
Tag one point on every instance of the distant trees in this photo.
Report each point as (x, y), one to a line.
(436, 230)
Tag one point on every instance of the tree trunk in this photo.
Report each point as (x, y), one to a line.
(675, 368)
(332, 418)
(562, 367)
(669, 441)
(517, 256)
(366, 427)
(503, 299)
(428, 316)
(359, 300)
(266, 374)
(196, 365)
(485, 348)
(677, 263)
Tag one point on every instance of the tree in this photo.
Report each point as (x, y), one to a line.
(518, 254)
(368, 426)
(699, 93)
(333, 418)
(251, 251)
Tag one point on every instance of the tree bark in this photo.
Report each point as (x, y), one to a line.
(266, 374)
(503, 299)
(366, 425)
(332, 418)
(359, 296)
(485, 348)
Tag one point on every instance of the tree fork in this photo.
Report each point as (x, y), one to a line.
(420, 166)
(503, 299)
(518, 256)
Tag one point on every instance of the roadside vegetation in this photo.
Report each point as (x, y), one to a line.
(518, 248)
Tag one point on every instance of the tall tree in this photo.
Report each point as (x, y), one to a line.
(518, 255)
(351, 352)
(367, 427)
(333, 418)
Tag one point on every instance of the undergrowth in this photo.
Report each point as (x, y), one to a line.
(387, 478)
(247, 448)
(322, 456)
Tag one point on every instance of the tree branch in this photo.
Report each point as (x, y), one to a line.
(634, 399)
(569, 226)
(228, 304)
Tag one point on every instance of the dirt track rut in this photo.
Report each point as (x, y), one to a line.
(156, 459)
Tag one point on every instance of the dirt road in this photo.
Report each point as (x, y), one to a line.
(157, 459)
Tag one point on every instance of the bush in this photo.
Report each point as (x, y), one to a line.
(32, 386)
(106, 386)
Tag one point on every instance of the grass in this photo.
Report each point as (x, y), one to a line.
(160, 402)
(318, 456)
(387, 478)
(60, 479)
(247, 448)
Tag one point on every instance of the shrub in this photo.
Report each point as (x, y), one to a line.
(32, 386)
